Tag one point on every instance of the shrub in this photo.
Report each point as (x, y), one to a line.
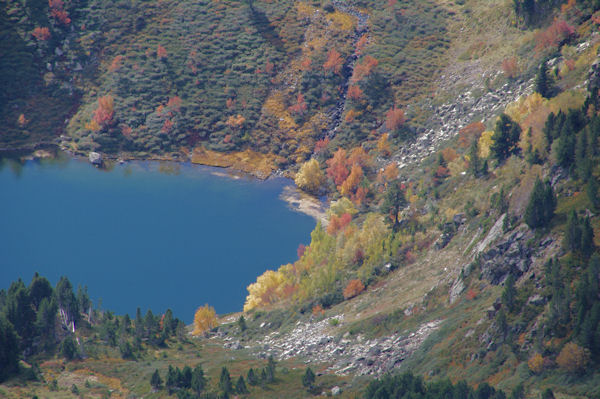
(573, 358)
(353, 288)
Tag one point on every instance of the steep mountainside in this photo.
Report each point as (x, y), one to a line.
(457, 143)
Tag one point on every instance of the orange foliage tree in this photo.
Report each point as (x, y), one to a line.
(470, 133)
(103, 115)
(394, 118)
(338, 168)
(364, 68)
(338, 223)
(334, 61)
(161, 52)
(41, 33)
(58, 12)
(350, 185)
(353, 288)
(300, 107)
(22, 121)
(355, 93)
(205, 319)
(510, 67)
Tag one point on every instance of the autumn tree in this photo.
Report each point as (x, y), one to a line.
(364, 68)
(337, 167)
(383, 145)
(205, 319)
(355, 93)
(350, 185)
(300, 107)
(510, 67)
(161, 52)
(573, 358)
(103, 115)
(41, 33)
(536, 363)
(394, 119)
(334, 61)
(310, 177)
(353, 288)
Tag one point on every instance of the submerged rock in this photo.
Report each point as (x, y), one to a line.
(95, 158)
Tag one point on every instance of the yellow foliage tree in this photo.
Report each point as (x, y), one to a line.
(269, 287)
(573, 358)
(310, 177)
(536, 363)
(484, 143)
(353, 180)
(205, 319)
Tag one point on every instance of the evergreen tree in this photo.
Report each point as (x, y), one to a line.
(185, 378)
(308, 379)
(506, 138)
(242, 323)
(198, 380)
(541, 205)
(501, 322)
(155, 380)
(225, 381)
(592, 192)
(270, 370)
(45, 322)
(393, 202)
(252, 378)
(475, 165)
(572, 238)
(65, 298)
(9, 349)
(583, 157)
(69, 348)
(565, 152)
(548, 394)
(509, 293)
(172, 380)
(543, 83)
(139, 323)
(240, 386)
(39, 289)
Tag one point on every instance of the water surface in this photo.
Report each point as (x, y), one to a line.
(137, 236)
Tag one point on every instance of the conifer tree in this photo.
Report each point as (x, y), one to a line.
(506, 138)
(592, 192)
(252, 378)
(541, 205)
(198, 380)
(156, 381)
(509, 294)
(240, 386)
(308, 379)
(225, 381)
(543, 83)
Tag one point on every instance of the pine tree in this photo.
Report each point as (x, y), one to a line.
(185, 378)
(572, 238)
(242, 323)
(172, 380)
(308, 379)
(9, 349)
(506, 138)
(509, 294)
(592, 192)
(225, 381)
(270, 370)
(475, 166)
(543, 83)
(240, 386)
(541, 205)
(198, 380)
(156, 381)
(252, 378)
(393, 202)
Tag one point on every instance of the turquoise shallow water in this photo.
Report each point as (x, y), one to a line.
(139, 237)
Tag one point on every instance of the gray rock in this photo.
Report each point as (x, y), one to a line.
(335, 391)
(95, 158)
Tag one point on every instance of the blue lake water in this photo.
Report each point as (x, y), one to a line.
(137, 236)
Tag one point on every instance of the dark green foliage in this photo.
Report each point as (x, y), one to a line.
(409, 386)
(579, 235)
(547, 394)
(499, 201)
(270, 370)
(518, 392)
(308, 379)
(9, 349)
(198, 380)
(155, 380)
(65, 298)
(587, 306)
(541, 205)
(240, 386)
(509, 293)
(172, 380)
(476, 166)
(185, 377)
(68, 348)
(252, 378)
(225, 384)
(39, 289)
(242, 323)
(393, 202)
(592, 193)
(543, 83)
(506, 138)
